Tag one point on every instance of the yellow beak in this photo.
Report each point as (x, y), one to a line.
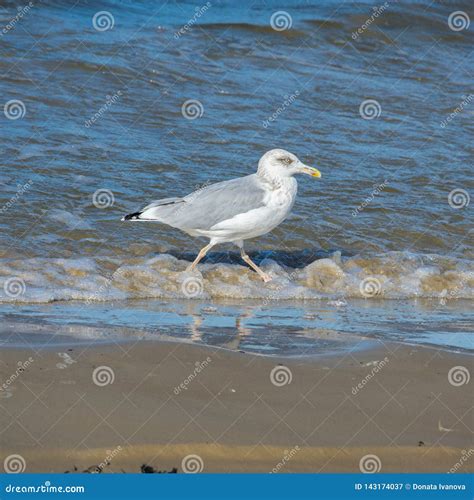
(313, 172)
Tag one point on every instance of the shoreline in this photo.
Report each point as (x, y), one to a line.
(238, 412)
(361, 344)
(244, 459)
(288, 329)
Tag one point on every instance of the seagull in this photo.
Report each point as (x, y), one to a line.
(235, 210)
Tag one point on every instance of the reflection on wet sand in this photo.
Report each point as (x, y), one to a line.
(284, 328)
(234, 336)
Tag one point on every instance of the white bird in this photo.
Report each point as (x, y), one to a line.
(234, 210)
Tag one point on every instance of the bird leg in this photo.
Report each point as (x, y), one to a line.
(200, 255)
(265, 277)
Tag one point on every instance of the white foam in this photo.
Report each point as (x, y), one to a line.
(395, 275)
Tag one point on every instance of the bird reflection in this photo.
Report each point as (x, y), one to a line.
(233, 335)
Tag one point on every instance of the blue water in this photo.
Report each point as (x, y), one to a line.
(288, 329)
(102, 132)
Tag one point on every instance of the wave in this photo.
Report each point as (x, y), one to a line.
(302, 275)
(266, 29)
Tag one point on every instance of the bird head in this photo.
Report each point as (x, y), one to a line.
(281, 163)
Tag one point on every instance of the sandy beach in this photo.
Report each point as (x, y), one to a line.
(390, 408)
(236, 238)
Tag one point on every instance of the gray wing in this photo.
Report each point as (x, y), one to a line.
(210, 205)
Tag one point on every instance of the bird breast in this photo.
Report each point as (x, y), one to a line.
(284, 196)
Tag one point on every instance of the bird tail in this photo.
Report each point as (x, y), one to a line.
(156, 211)
(134, 216)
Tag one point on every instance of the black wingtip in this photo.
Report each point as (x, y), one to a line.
(134, 216)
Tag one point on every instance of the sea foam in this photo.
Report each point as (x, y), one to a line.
(394, 275)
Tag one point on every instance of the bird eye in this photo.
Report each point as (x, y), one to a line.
(286, 160)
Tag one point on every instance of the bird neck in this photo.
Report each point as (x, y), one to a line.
(275, 181)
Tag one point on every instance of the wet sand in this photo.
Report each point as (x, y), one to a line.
(157, 403)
